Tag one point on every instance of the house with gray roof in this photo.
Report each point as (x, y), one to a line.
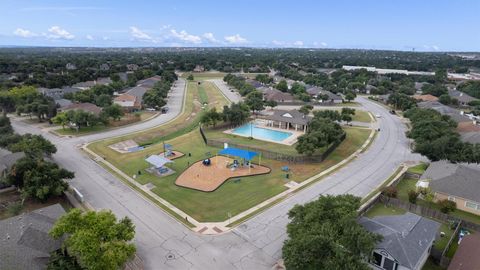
(149, 82)
(463, 99)
(138, 92)
(407, 240)
(323, 95)
(455, 114)
(24, 239)
(457, 182)
(7, 160)
(287, 120)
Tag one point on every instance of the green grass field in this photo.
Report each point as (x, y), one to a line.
(418, 169)
(185, 137)
(380, 209)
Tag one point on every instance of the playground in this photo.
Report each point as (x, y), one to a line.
(209, 174)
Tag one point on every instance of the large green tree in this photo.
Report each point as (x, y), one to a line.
(96, 239)
(324, 234)
(254, 100)
(38, 179)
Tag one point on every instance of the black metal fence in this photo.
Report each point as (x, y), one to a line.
(272, 154)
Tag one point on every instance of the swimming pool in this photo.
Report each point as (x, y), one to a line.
(261, 133)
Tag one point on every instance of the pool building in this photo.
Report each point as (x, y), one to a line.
(289, 120)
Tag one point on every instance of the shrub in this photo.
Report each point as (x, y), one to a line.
(390, 192)
(14, 208)
(412, 196)
(447, 206)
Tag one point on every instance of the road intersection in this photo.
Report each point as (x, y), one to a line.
(165, 243)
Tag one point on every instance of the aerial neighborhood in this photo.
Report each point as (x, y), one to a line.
(171, 136)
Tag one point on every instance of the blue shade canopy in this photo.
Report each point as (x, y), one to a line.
(245, 154)
(157, 160)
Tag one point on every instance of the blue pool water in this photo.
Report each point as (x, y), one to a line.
(261, 133)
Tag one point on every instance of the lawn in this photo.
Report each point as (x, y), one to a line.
(430, 265)
(442, 242)
(231, 197)
(418, 169)
(126, 120)
(361, 116)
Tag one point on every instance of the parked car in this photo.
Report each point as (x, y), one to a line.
(164, 109)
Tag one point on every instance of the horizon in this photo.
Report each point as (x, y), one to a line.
(346, 24)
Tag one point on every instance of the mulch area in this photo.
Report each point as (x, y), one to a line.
(467, 127)
(209, 178)
(176, 154)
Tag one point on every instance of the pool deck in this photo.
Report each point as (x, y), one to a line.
(290, 140)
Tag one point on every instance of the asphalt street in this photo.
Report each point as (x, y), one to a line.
(164, 243)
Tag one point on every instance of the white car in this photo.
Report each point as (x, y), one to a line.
(378, 116)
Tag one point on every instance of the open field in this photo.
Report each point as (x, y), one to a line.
(232, 197)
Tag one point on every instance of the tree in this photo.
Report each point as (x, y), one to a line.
(103, 100)
(96, 239)
(190, 77)
(271, 103)
(236, 114)
(447, 206)
(254, 100)
(33, 145)
(114, 111)
(6, 102)
(305, 109)
(61, 119)
(325, 234)
(401, 101)
(350, 96)
(211, 117)
(321, 132)
(153, 99)
(347, 114)
(39, 179)
(282, 86)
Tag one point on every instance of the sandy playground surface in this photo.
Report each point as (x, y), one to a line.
(209, 178)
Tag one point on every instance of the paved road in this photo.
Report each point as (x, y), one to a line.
(163, 243)
(232, 96)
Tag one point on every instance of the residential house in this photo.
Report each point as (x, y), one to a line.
(426, 97)
(254, 83)
(149, 82)
(25, 242)
(199, 68)
(455, 114)
(463, 99)
(458, 182)
(138, 92)
(84, 85)
(466, 257)
(7, 160)
(270, 93)
(70, 66)
(287, 120)
(88, 107)
(407, 240)
(319, 93)
(62, 102)
(419, 85)
(132, 67)
(103, 81)
(105, 66)
(128, 102)
(57, 93)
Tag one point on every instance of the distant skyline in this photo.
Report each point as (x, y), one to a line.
(440, 25)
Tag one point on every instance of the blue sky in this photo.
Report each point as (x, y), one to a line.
(426, 25)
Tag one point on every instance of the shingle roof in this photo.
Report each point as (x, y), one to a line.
(443, 109)
(466, 257)
(461, 180)
(293, 116)
(149, 82)
(24, 239)
(7, 159)
(462, 97)
(406, 237)
(88, 107)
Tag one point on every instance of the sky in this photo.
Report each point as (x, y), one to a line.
(420, 25)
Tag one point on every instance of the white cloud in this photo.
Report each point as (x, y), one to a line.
(139, 34)
(278, 43)
(210, 37)
(431, 48)
(55, 32)
(24, 33)
(298, 43)
(106, 38)
(320, 44)
(89, 37)
(185, 37)
(235, 39)
(435, 48)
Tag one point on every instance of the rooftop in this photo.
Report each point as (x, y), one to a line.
(406, 237)
(24, 239)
